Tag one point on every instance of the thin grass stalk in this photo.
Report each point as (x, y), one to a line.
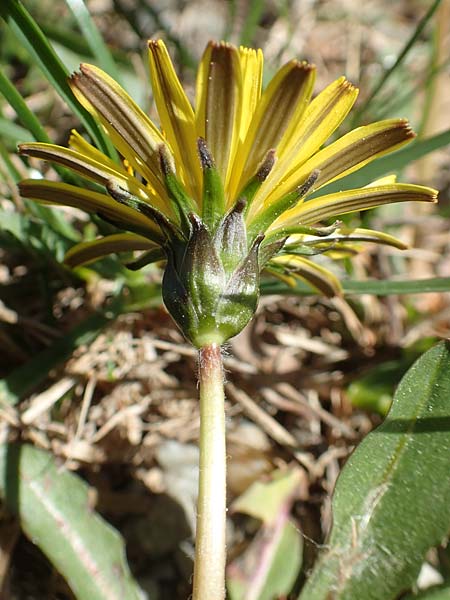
(210, 551)
(401, 57)
(94, 38)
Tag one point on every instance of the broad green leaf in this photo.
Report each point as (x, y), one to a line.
(54, 511)
(370, 286)
(392, 499)
(269, 566)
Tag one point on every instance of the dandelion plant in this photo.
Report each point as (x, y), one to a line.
(219, 194)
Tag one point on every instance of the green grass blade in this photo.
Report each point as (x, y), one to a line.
(54, 511)
(8, 168)
(392, 500)
(32, 38)
(430, 84)
(401, 57)
(254, 13)
(76, 43)
(25, 115)
(93, 37)
(72, 40)
(132, 16)
(371, 286)
(27, 377)
(393, 104)
(28, 120)
(11, 132)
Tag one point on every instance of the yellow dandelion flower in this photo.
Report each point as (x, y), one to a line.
(221, 191)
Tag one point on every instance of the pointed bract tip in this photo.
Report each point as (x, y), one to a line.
(306, 186)
(165, 160)
(195, 221)
(266, 165)
(206, 159)
(258, 240)
(116, 191)
(240, 205)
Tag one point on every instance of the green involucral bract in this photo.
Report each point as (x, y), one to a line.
(211, 284)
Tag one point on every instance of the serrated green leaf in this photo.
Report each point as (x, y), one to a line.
(54, 511)
(392, 499)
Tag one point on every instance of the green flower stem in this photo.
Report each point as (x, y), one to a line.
(210, 553)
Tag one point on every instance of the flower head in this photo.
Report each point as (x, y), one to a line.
(222, 192)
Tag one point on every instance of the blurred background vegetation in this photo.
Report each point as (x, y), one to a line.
(93, 368)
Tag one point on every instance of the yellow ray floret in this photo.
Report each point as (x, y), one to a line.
(319, 277)
(88, 252)
(321, 118)
(49, 192)
(131, 131)
(176, 116)
(332, 205)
